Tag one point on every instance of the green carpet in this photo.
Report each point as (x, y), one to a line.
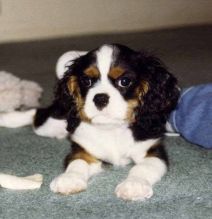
(184, 193)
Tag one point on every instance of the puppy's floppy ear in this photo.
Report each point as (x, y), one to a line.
(159, 97)
(163, 91)
(65, 101)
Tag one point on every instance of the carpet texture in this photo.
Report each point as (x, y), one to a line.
(185, 192)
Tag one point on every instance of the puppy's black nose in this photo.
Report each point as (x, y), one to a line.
(101, 100)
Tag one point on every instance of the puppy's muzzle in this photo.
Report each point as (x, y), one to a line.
(101, 100)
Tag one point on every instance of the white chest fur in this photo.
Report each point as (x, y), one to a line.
(111, 143)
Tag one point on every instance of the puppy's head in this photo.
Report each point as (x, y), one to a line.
(114, 84)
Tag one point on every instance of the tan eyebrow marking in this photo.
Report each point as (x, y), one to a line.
(92, 72)
(116, 72)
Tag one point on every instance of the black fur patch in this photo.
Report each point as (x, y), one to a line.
(56, 110)
(41, 116)
(159, 152)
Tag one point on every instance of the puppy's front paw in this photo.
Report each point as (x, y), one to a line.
(134, 190)
(68, 184)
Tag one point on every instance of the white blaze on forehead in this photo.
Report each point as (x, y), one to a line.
(116, 110)
(104, 57)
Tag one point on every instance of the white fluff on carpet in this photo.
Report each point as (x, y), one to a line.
(21, 183)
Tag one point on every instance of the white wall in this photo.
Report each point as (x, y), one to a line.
(32, 19)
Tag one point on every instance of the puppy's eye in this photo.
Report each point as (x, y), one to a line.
(86, 81)
(124, 82)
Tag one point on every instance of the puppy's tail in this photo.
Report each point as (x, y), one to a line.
(17, 119)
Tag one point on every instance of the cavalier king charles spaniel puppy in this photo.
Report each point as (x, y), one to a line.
(113, 102)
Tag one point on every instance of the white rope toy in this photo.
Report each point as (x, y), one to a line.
(21, 183)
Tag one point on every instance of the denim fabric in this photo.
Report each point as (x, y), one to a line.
(193, 116)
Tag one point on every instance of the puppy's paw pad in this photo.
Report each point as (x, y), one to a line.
(134, 190)
(68, 184)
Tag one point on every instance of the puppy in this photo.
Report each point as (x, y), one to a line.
(114, 102)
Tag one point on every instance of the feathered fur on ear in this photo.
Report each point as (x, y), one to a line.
(65, 102)
(159, 100)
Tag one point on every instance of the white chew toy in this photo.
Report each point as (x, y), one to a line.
(21, 183)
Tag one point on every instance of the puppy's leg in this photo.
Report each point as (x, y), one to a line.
(142, 177)
(17, 119)
(80, 167)
(47, 124)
